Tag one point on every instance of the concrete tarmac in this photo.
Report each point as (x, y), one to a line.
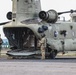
(58, 66)
(37, 67)
(62, 65)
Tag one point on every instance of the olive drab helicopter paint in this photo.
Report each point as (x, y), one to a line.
(28, 22)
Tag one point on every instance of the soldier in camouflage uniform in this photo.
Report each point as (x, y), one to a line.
(43, 46)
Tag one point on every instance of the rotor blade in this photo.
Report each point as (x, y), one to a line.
(3, 23)
(71, 11)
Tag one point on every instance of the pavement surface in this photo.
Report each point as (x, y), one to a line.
(37, 67)
(62, 65)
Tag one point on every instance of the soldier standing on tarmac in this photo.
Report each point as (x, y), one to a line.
(42, 43)
(0, 44)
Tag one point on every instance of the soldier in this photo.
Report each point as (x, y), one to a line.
(42, 43)
(0, 44)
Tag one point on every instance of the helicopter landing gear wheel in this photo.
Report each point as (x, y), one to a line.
(53, 54)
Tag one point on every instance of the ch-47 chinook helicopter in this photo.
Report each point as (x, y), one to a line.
(27, 25)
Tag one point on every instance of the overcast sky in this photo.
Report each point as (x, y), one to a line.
(58, 5)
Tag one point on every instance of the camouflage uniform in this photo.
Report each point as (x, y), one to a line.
(43, 47)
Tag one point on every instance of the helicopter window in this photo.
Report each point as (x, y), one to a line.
(55, 33)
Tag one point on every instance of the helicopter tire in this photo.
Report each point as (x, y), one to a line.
(53, 54)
